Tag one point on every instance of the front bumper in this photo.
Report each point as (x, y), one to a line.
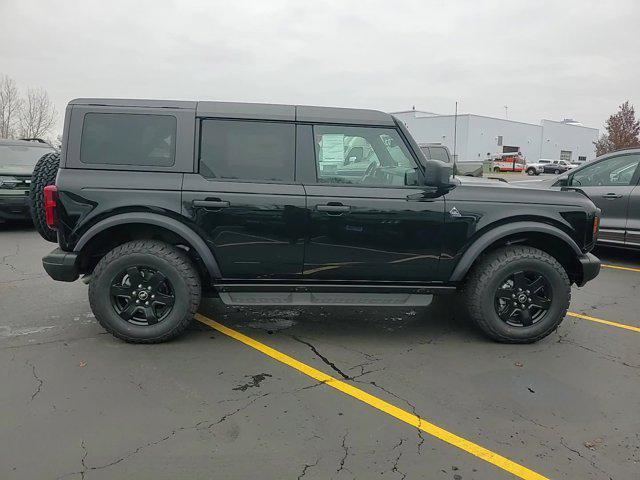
(590, 266)
(14, 207)
(61, 265)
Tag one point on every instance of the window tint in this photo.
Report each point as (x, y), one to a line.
(363, 155)
(21, 155)
(128, 139)
(246, 150)
(610, 172)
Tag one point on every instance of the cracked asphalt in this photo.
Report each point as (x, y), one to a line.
(76, 403)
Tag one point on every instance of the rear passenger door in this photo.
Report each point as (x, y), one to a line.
(378, 225)
(245, 200)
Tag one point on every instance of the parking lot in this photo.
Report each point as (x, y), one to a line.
(432, 398)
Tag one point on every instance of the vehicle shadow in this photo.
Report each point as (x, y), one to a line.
(404, 326)
(618, 256)
(16, 226)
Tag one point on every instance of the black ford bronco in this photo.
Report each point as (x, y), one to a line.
(155, 201)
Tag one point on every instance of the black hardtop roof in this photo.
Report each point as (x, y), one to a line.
(262, 111)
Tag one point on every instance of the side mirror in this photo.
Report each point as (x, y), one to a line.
(438, 174)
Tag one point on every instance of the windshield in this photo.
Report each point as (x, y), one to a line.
(21, 155)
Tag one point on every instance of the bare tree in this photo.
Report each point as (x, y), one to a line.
(37, 115)
(10, 105)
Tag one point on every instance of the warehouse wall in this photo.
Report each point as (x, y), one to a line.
(478, 135)
(559, 136)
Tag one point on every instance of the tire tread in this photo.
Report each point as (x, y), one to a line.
(486, 269)
(168, 253)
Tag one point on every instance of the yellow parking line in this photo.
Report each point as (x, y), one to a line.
(605, 322)
(618, 267)
(375, 402)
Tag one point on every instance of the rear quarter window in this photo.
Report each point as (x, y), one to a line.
(128, 139)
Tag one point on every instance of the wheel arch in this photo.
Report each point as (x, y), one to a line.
(120, 228)
(545, 237)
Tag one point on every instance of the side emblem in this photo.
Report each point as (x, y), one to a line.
(454, 212)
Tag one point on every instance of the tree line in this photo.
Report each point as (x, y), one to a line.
(25, 115)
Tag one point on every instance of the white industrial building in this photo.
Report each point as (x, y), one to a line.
(478, 138)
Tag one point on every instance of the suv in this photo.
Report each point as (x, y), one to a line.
(156, 200)
(17, 160)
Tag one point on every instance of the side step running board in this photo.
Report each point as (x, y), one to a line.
(319, 298)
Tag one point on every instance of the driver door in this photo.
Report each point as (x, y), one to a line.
(369, 220)
(609, 183)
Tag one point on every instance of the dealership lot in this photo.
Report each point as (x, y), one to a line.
(77, 403)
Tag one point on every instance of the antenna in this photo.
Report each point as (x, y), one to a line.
(455, 138)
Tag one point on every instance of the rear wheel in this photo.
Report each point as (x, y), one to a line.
(145, 291)
(517, 294)
(44, 174)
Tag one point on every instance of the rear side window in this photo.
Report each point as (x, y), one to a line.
(247, 150)
(128, 139)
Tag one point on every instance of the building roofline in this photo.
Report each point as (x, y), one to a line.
(569, 124)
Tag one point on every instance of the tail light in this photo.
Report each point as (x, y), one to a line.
(51, 206)
(596, 226)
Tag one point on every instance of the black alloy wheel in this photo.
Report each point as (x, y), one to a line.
(142, 295)
(523, 298)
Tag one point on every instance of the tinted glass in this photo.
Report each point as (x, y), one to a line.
(363, 155)
(128, 139)
(21, 155)
(610, 172)
(245, 150)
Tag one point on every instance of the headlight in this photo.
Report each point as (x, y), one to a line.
(9, 182)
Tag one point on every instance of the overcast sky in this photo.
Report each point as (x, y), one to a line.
(544, 59)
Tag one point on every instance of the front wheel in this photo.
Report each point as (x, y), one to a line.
(517, 294)
(145, 291)
(531, 172)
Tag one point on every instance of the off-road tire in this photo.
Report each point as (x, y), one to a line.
(169, 260)
(44, 173)
(484, 278)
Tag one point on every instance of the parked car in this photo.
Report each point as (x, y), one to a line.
(156, 200)
(17, 160)
(440, 152)
(611, 182)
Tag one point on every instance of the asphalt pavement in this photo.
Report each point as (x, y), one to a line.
(76, 403)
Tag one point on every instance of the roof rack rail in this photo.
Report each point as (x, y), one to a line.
(38, 140)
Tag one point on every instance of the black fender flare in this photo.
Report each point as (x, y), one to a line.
(491, 236)
(169, 223)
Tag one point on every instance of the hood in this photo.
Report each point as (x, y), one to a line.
(500, 192)
(8, 169)
(486, 181)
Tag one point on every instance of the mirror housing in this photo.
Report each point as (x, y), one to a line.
(438, 174)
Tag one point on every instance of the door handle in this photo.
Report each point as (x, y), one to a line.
(333, 208)
(212, 204)
(611, 196)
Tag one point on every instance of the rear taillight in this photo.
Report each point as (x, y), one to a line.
(596, 226)
(50, 206)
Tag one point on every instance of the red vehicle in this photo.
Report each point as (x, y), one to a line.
(508, 162)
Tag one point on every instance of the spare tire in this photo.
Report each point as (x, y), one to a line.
(44, 174)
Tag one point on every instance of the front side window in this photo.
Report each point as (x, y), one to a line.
(363, 156)
(247, 150)
(128, 139)
(616, 171)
